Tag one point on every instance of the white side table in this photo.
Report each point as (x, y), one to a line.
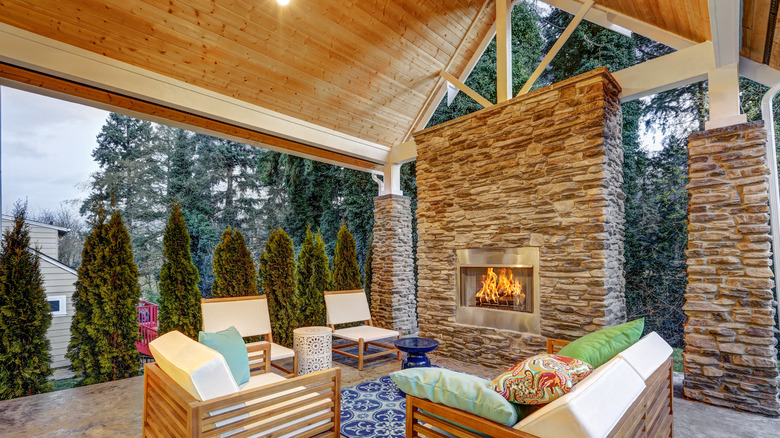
(314, 347)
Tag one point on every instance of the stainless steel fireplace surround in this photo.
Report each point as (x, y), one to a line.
(496, 318)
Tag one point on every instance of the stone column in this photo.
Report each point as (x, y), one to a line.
(393, 304)
(730, 356)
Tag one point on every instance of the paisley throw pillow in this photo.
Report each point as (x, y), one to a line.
(541, 379)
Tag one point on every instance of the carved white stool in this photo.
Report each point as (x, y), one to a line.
(314, 347)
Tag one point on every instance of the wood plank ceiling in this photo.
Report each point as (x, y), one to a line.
(361, 67)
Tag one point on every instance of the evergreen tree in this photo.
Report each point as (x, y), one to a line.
(25, 361)
(346, 273)
(104, 329)
(277, 273)
(234, 270)
(179, 294)
(312, 276)
(368, 275)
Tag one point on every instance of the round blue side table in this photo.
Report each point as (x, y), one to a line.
(415, 349)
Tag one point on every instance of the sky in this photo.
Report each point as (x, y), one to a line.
(46, 147)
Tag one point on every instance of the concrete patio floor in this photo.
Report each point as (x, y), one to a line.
(114, 409)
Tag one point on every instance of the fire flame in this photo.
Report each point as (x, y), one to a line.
(503, 285)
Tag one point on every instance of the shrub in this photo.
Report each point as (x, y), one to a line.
(179, 294)
(25, 362)
(346, 273)
(277, 273)
(234, 270)
(312, 276)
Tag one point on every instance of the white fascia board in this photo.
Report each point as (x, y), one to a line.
(670, 71)
(761, 73)
(726, 29)
(28, 50)
(607, 18)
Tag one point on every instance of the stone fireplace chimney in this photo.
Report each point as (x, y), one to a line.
(543, 170)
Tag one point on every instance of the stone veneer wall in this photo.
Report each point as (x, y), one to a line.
(392, 286)
(730, 357)
(543, 170)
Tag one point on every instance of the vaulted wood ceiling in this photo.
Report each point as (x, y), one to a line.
(367, 68)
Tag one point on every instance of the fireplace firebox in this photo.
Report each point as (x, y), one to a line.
(497, 288)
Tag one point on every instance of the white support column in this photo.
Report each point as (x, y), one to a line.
(723, 82)
(503, 51)
(392, 179)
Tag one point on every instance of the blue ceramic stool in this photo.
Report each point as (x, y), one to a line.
(415, 349)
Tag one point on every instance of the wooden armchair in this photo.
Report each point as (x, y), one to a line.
(180, 404)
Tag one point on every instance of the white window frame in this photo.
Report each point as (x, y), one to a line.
(63, 304)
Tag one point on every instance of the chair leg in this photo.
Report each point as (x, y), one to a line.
(399, 351)
(295, 365)
(360, 354)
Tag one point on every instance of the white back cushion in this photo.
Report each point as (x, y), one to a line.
(197, 368)
(249, 316)
(351, 307)
(592, 408)
(647, 354)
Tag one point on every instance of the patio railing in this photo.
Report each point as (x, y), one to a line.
(147, 326)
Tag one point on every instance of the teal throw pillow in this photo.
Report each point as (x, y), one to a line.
(599, 347)
(457, 390)
(230, 345)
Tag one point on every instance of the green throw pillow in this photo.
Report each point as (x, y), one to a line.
(457, 390)
(599, 347)
(230, 345)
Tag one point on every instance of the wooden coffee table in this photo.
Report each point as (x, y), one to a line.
(415, 349)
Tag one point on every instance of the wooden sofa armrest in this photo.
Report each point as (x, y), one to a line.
(555, 345)
(419, 410)
(169, 410)
(259, 358)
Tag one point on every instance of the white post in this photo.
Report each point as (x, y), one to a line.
(774, 193)
(392, 179)
(503, 51)
(723, 94)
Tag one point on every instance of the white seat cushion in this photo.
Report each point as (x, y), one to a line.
(249, 315)
(368, 333)
(341, 308)
(277, 351)
(197, 368)
(592, 408)
(647, 355)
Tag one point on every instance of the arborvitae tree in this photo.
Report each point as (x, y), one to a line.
(277, 273)
(234, 270)
(312, 276)
(25, 362)
(368, 275)
(346, 273)
(104, 329)
(179, 294)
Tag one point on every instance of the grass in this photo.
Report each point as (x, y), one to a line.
(677, 362)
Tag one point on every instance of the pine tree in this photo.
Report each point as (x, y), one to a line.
(346, 273)
(179, 294)
(312, 276)
(104, 329)
(234, 270)
(25, 361)
(277, 271)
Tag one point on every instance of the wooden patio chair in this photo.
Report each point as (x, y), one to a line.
(250, 316)
(346, 306)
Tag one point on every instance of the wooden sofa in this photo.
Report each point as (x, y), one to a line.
(650, 414)
(268, 405)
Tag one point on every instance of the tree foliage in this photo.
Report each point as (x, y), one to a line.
(179, 294)
(24, 315)
(346, 272)
(234, 270)
(312, 275)
(104, 328)
(277, 273)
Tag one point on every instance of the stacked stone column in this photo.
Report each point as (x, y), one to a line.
(730, 356)
(393, 304)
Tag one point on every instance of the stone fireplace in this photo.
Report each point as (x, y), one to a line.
(542, 172)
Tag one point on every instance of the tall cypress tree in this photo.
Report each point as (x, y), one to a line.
(25, 362)
(277, 273)
(234, 270)
(346, 272)
(104, 329)
(312, 276)
(179, 294)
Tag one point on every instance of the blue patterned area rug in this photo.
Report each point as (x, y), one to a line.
(375, 408)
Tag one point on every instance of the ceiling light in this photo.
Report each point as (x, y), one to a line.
(283, 2)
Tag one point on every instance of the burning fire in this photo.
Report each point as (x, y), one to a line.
(500, 289)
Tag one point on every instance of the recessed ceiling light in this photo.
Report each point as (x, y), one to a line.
(283, 2)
